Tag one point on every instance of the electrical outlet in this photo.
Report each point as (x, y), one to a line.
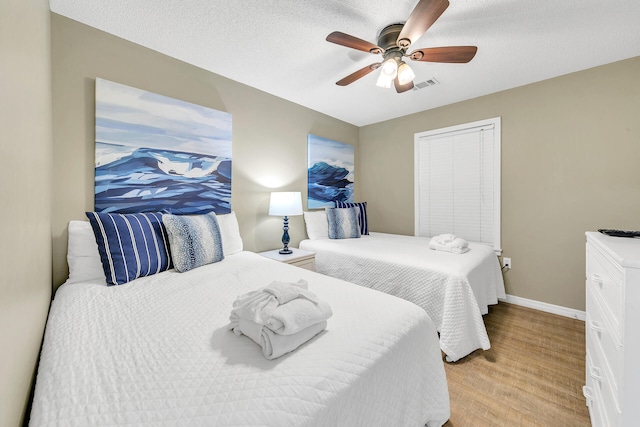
(506, 263)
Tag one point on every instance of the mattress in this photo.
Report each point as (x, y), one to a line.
(454, 289)
(157, 351)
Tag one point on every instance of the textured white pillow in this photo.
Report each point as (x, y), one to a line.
(317, 224)
(195, 240)
(82, 254)
(230, 233)
(343, 223)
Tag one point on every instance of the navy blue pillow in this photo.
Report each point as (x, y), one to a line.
(130, 245)
(364, 224)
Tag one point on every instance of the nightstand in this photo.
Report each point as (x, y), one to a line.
(299, 258)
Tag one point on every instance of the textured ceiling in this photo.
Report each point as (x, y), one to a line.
(278, 46)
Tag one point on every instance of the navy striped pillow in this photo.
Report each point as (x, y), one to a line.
(364, 223)
(130, 245)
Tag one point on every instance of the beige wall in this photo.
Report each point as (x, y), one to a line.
(269, 134)
(570, 155)
(25, 224)
(559, 175)
(570, 163)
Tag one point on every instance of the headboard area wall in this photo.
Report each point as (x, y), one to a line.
(269, 134)
(25, 191)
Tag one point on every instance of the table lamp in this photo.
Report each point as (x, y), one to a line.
(285, 203)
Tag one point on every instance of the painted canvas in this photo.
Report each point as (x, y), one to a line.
(330, 173)
(155, 153)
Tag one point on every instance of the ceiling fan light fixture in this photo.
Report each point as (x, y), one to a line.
(389, 68)
(393, 42)
(384, 81)
(405, 73)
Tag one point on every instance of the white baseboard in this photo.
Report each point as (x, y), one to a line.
(549, 308)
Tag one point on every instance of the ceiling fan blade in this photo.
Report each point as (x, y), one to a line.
(402, 88)
(353, 42)
(358, 74)
(423, 16)
(452, 54)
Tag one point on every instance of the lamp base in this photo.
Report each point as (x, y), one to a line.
(285, 238)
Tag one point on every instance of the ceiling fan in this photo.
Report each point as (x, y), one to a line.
(393, 43)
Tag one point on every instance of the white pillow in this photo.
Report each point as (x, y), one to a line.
(230, 233)
(317, 224)
(84, 261)
(82, 254)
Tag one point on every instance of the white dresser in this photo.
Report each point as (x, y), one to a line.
(613, 330)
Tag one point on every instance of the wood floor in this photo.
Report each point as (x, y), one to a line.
(532, 375)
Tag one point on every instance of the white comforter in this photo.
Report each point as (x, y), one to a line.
(454, 289)
(157, 351)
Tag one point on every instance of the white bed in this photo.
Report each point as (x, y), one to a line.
(454, 289)
(156, 351)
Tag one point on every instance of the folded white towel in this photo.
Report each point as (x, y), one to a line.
(443, 239)
(449, 243)
(301, 307)
(297, 315)
(285, 292)
(275, 345)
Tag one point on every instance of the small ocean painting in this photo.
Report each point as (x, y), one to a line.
(330, 172)
(155, 153)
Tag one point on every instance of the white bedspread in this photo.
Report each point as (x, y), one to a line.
(454, 289)
(156, 351)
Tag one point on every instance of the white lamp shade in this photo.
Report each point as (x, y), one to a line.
(285, 203)
(384, 81)
(405, 74)
(389, 68)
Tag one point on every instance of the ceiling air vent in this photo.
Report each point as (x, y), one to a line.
(429, 82)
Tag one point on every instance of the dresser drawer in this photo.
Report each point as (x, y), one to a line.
(594, 403)
(603, 401)
(607, 278)
(598, 382)
(603, 344)
(593, 398)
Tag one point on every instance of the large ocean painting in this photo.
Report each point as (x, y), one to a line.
(155, 153)
(330, 172)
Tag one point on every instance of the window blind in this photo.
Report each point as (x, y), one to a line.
(457, 190)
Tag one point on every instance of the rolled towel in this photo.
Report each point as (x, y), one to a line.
(263, 307)
(456, 245)
(275, 345)
(459, 244)
(258, 305)
(443, 239)
(297, 315)
(285, 292)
